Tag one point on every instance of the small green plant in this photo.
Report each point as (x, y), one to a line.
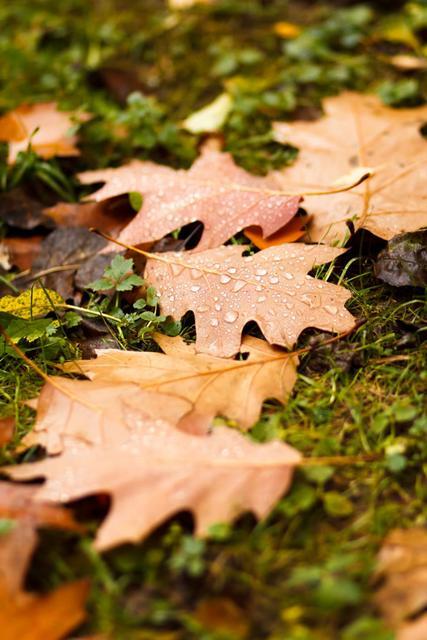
(119, 276)
(132, 323)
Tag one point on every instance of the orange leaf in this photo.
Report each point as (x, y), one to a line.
(226, 290)
(151, 469)
(23, 615)
(294, 230)
(215, 191)
(359, 131)
(42, 125)
(6, 430)
(212, 386)
(47, 617)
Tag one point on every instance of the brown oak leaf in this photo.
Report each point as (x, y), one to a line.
(214, 191)
(358, 130)
(42, 125)
(24, 615)
(214, 386)
(272, 288)
(155, 470)
(402, 567)
(95, 412)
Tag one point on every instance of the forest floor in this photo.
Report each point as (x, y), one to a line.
(306, 572)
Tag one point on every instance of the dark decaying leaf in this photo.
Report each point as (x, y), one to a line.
(66, 246)
(110, 216)
(120, 78)
(20, 210)
(404, 261)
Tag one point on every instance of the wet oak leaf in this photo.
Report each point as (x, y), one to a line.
(42, 125)
(95, 412)
(153, 471)
(225, 291)
(25, 615)
(214, 191)
(213, 386)
(402, 567)
(358, 130)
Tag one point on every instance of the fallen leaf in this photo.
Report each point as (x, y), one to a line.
(404, 261)
(110, 216)
(416, 630)
(155, 470)
(214, 191)
(47, 617)
(292, 231)
(96, 412)
(4, 257)
(213, 386)
(42, 125)
(394, 29)
(226, 290)
(358, 130)
(61, 254)
(287, 30)
(23, 615)
(210, 118)
(408, 63)
(402, 567)
(20, 210)
(23, 251)
(32, 303)
(7, 426)
(18, 505)
(186, 4)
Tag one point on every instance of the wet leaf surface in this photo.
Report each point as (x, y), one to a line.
(404, 261)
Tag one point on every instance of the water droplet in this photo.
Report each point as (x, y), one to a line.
(258, 288)
(289, 276)
(224, 279)
(289, 305)
(306, 299)
(196, 273)
(239, 285)
(218, 307)
(274, 279)
(195, 288)
(261, 272)
(176, 269)
(202, 308)
(231, 316)
(262, 299)
(277, 258)
(214, 322)
(331, 309)
(231, 270)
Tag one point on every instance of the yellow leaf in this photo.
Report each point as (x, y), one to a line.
(32, 303)
(287, 30)
(211, 117)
